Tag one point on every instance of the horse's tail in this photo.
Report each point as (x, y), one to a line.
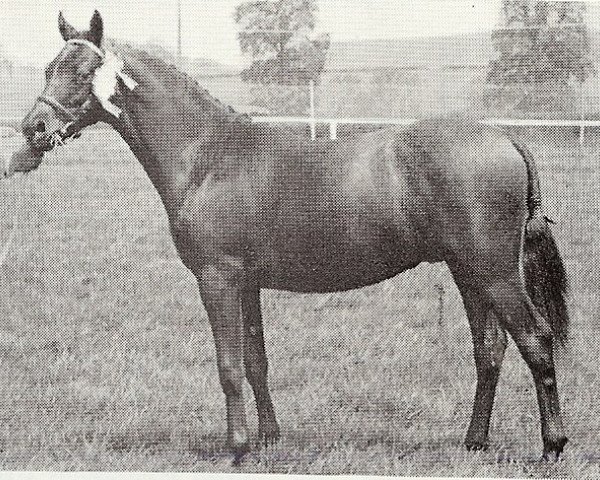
(545, 274)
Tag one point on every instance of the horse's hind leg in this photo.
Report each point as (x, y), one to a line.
(533, 337)
(256, 364)
(489, 344)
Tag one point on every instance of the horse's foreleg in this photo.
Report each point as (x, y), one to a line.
(256, 364)
(534, 341)
(489, 344)
(221, 294)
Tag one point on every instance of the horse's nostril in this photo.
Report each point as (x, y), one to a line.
(40, 126)
(28, 131)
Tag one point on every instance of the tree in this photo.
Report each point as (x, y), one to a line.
(544, 48)
(295, 65)
(279, 34)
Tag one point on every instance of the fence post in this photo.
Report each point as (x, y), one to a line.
(313, 125)
(333, 131)
(441, 294)
(582, 107)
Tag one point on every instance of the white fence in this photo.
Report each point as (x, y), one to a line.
(333, 123)
(505, 122)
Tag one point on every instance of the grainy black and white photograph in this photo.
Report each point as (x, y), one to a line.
(310, 237)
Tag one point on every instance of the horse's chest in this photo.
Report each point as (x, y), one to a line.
(211, 222)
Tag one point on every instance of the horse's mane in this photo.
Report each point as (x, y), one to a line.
(179, 82)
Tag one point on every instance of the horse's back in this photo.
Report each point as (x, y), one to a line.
(365, 208)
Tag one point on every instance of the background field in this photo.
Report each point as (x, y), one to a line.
(107, 362)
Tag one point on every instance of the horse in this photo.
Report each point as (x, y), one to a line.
(253, 206)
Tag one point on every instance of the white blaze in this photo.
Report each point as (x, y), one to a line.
(104, 84)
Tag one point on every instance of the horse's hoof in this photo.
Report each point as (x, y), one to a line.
(269, 435)
(476, 446)
(553, 449)
(239, 452)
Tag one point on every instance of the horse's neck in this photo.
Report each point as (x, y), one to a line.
(159, 128)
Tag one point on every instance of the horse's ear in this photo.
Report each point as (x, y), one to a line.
(96, 28)
(66, 29)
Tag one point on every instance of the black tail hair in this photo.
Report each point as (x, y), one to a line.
(545, 275)
(546, 278)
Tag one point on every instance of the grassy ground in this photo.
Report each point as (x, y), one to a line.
(107, 362)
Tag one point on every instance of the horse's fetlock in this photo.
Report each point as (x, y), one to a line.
(554, 447)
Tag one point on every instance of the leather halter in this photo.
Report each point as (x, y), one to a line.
(56, 105)
(59, 107)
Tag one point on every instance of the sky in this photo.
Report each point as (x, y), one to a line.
(29, 33)
(28, 27)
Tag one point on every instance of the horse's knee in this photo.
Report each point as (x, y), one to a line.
(231, 379)
(537, 351)
(491, 352)
(516, 312)
(542, 366)
(537, 348)
(549, 378)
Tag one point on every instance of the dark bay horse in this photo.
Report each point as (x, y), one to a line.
(253, 206)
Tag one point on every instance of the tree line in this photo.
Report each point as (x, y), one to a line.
(543, 53)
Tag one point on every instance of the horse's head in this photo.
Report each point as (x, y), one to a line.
(79, 84)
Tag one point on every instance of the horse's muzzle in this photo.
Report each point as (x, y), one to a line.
(30, 154)
(44, 129)
(24, 159)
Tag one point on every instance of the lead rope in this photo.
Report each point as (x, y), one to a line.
(11, 236)
(8, 244)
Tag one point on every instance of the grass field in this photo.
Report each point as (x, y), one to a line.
(107, 362)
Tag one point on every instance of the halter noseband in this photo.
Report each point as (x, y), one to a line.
(56, 105)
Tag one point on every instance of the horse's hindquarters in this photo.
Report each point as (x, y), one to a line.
(472, 184)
